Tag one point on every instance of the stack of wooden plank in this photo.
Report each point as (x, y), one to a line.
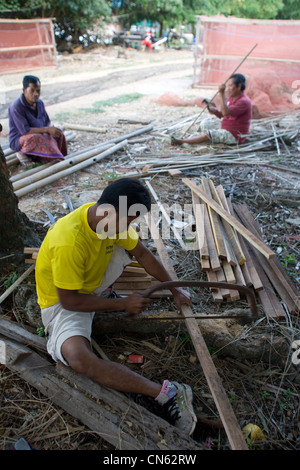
(134, 277)
(232, 250)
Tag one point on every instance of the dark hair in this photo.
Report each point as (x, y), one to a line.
(133, 189)
(238, 78)
(30, 79)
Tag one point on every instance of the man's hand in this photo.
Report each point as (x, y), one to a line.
(212, 109)
(180, 298)
(135, 303)
(222, 88)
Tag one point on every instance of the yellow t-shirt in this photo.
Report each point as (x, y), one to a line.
(73, 257)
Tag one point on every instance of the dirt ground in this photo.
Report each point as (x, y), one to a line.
(106, 89)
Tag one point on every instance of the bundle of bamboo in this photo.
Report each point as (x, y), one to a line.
(37, 178)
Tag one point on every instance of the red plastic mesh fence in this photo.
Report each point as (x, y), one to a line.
(26, 44)
(272, 70)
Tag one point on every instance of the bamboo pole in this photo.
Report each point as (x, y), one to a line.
(16, 283)
(58, 167)
(26, 173)
(50, 179)
(78, 127)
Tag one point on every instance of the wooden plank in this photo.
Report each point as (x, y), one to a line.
(205, 264)
(255, 278)
(262, 247)
(239, 276)
(174, 173)
(29, 250)
(215, 292)
(133, 286)
(270, 302)
(246, 275)
(229, 273)
(225, 228)
(127, 275)
(213, 254)
(13, 330)
(279, 278)
(166, 216)
(229, 420)
(146, 424)
(159, 294)
(136, 270)
(103, 414)
(230, 231)
(215, 223)
(221, 278)
(131, 279)
(200, 227)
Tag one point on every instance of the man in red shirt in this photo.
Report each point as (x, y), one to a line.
(235, 112)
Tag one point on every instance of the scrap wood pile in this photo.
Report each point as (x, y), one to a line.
(232, 250)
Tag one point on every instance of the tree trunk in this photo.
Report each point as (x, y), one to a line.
(16, 231)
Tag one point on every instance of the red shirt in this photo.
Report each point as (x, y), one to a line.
(238, 121)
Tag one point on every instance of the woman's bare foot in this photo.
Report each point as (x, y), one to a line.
(24, 159)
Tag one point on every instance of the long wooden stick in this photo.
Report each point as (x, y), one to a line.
(222, 402)
(205, 107)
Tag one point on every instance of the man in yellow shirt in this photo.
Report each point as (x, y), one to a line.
(81, 256)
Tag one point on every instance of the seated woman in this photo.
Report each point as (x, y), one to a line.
(30, 132)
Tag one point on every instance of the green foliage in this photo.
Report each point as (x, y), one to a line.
(290, 10)
(77, 16)
(72, 16)
(11, 278)
(267, 9)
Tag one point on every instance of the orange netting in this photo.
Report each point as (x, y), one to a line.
(26, 44)
(272, 70)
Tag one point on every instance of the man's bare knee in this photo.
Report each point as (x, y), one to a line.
(76, 352)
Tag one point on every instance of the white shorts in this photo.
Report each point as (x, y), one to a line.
(217, 135)
(61, 324)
